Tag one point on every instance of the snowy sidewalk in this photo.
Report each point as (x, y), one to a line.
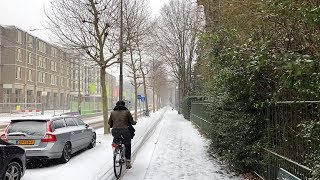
(176, 151)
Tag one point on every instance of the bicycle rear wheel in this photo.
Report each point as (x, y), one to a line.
(117, 162)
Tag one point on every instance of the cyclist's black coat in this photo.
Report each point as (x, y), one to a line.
(121, 117)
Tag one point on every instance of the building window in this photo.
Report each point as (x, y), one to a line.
(41, 62)
(7, 95)
(53, 66)
(53, 80)
(19, 36)
(30, 75)
(18, 73)
(19, 96)
(30, 58)
(54, 52)
(68, 72)
(44, 64)
(42, 46)
(19, 55)
(52, 83)
(41, 77)
(30, 41)
(44, 77)
(61, 82)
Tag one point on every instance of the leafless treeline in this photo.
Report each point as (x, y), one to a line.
(153, 48)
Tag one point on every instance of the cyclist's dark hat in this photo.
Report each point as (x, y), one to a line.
(120, 103)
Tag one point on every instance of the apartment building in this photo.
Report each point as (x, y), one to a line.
(32, 70)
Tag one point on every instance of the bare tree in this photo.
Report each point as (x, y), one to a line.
(136, 23)
(89, 26)
(179, 25)
(157, 81)
(144, 70)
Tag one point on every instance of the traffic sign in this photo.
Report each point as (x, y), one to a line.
(139, 97)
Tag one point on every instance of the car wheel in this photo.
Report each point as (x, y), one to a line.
(13, 171)
(66, 153)
(93, 141)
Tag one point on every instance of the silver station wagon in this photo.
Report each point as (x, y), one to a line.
(55, 137)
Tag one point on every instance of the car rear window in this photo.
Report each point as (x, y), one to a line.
(79, 121)
(32, 128)
(59, 123)
(70, 122)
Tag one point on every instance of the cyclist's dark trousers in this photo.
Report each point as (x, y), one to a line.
(117, 132)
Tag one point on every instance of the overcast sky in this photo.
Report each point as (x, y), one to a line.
(29, 14)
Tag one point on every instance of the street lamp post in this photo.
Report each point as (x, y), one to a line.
(26, 73)
(79, 93)
(121, 52)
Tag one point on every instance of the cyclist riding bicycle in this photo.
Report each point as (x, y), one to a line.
(120, 120)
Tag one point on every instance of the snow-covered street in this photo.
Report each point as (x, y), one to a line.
(170, 149)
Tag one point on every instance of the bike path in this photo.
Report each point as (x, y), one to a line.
(176, 150)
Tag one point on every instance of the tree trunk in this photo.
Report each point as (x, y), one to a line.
(145, 90)
(135, 99)
(144, 82)
(180, 96)
(153, 100)
(157, 102)
(104, 100)
(135, 83)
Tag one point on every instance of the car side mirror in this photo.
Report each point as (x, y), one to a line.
(87, 125)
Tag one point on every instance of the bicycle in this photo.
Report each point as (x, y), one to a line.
(146, 113)
(118, 156)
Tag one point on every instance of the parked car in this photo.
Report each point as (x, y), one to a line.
(12, 161)
(55, 137)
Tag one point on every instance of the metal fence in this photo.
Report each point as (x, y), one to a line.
(88, 105)
(285, 146)
(200, 116)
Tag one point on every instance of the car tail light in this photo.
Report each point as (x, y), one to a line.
(49, 136)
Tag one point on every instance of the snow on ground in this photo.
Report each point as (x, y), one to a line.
(176, 151)
(89, 164)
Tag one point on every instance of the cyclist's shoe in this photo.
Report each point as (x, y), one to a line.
(128, 164)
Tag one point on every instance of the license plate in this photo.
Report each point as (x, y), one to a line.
(25, 142)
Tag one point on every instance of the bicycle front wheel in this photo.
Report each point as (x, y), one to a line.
(117, 163)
